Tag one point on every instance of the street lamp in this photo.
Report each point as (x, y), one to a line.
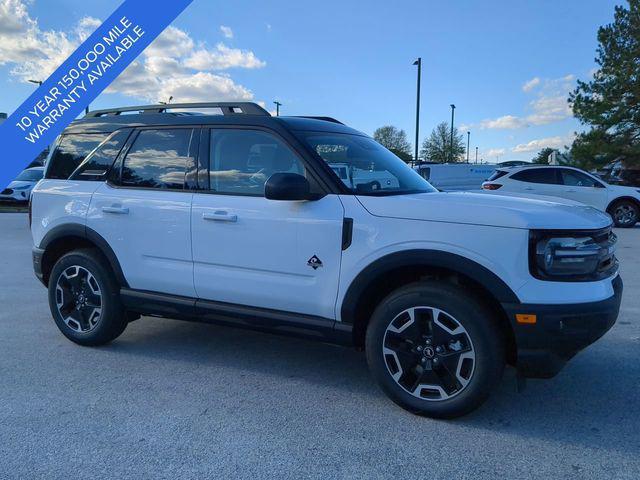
(453, 109)
(278, 105)
(37, 82)
(476, 154)
(418, 62)
(468, 140)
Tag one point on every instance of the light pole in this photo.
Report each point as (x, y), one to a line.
(453, 109)
(37, 82)
(468, 140)
(278, 105)
(476, 154)
(418, 62)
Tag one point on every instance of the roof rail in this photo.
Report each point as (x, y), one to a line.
(326, 119)
(228, 108)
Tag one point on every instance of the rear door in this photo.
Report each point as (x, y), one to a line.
(281, 255)
(143, 211)
(582, 188)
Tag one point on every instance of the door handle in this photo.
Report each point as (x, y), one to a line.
(528, 188)
(571, 190)
(220, 216)
(116, 210)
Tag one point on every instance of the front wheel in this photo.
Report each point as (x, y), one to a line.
(435, 350)
(625, 214)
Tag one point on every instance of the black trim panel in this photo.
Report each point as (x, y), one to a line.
(220, 313)
(347, 232)
(426, 258)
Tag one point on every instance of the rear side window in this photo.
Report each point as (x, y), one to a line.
(158, 159)
(496, 175)
(537, 175)
(98, 163)
(70, 152)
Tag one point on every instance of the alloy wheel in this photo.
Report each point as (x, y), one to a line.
(429, 353)
(78, 299)
(625, 214)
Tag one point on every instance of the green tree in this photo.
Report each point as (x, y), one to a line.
(542, 157)
(610, 102)
(395, 140)
(437, 147)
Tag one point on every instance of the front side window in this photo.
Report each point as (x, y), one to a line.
(158, 159)
(70, 152)
(364, 166)
(577, 179)
(241, 161)
(537, 175)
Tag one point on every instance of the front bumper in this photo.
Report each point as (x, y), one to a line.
(560, 331)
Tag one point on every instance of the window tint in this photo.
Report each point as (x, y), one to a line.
(158, 159)
(98, 163)
(30, 175)
(536, 175)
(70, 152)
(243, 160)
(577, 179)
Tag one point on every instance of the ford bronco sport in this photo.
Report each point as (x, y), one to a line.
(238, 218)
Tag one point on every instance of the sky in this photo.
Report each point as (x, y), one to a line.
(507, 65)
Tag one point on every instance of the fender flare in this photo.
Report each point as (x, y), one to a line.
(427, 258)
(82, 231)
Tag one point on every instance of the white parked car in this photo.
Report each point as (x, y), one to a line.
(622, 203)
(20, 189)
(246, 220)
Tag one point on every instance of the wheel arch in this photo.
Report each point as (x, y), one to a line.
(392, 271)
(68, 237)
(633, 200)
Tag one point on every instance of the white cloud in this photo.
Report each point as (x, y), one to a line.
(223, 58)
(173, 65)
(507, 122)
(531, 84)
(494, 152)
(226, 31)
(539, 144)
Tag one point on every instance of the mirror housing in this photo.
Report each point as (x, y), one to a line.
(287, 186)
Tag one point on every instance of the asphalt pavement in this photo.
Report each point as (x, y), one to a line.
(171, 399)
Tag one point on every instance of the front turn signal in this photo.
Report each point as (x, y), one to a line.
(526, 318)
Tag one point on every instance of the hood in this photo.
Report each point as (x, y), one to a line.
(620, 190)
(17, 184)
(483, 209)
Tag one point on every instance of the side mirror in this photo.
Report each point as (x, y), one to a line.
(287, 186)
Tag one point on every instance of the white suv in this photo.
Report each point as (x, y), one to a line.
(622, 203)
(239, 219)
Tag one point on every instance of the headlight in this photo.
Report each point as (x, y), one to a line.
(572, 256)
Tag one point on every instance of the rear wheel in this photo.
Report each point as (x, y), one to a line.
(84, 298)
(625, 214)
(435, 350)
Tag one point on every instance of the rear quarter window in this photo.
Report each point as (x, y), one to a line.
(97, 164)
(70, 152)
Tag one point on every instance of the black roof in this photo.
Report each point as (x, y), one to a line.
(107, 121)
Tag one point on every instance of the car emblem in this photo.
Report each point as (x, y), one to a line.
(314, 262)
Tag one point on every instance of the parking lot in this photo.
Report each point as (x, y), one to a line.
(172, 398)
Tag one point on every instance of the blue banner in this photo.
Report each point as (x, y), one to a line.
(80, 79)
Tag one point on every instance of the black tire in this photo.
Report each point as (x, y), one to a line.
(482, 339)
(111, 319)
(625, 213)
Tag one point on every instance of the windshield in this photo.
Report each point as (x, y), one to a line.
(30, 176)
(365, 166)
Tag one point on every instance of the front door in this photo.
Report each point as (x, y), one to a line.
(248, 250)
(582, 188)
